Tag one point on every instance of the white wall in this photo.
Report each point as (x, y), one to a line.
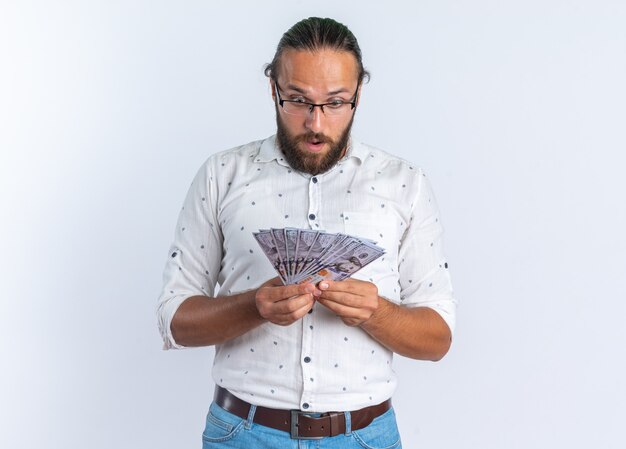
(515, 109)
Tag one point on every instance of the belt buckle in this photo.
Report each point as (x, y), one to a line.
(294, 427)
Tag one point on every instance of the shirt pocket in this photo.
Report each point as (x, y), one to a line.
(379, 227)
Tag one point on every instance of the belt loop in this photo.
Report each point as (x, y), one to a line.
(348, 423)
(250, 419)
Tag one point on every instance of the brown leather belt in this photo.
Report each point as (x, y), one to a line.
(299, 424)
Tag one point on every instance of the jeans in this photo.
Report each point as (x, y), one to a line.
(225, 430)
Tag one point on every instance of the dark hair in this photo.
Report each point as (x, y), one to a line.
(314, 34)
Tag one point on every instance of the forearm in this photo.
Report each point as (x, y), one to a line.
(418, 333)
(204, 321)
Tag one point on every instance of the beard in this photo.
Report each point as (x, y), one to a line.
(304, 161)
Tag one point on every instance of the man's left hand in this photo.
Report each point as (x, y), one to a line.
(351, 300)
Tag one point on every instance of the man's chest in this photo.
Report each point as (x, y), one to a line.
(353, 202)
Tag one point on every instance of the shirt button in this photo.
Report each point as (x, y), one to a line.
(314, 179)
(307, 359)
(312, 216)
(305, 405)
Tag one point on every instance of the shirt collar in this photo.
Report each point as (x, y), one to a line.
(269, 151)
(355, 150)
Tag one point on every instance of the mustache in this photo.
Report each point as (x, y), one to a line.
(319, 137)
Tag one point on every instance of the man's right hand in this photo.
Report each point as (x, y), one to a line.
(285, 304)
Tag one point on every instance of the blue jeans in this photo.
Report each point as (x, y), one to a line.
(225, 430)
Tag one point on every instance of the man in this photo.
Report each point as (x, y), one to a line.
(307, 361)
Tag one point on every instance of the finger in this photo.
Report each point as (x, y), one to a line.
(288, 318)
(282, 292)
(348, 286)
(280, 311)
(347, 299)
(316, 291)
(292, 305)
(344, 311)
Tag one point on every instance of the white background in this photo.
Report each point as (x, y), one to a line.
(515, 109)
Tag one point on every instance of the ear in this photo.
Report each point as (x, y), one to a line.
(273, 88)
(358, 95)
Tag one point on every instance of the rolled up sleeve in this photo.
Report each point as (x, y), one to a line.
(194, 257)
(423, 269)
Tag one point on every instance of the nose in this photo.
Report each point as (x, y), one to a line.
(314, 119)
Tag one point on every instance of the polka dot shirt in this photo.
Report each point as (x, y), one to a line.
(318, 363)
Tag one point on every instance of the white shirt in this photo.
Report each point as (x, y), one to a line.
(318, 363)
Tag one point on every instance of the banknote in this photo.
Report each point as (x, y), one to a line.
(304, 255)
(268, 245)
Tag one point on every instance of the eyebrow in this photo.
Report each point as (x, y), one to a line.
(303, 92)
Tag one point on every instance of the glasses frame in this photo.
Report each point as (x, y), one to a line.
(312, 106)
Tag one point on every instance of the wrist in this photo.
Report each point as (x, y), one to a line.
(254, 308)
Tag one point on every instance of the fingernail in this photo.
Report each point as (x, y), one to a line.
(323, 285)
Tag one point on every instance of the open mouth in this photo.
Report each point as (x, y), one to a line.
(314, 145)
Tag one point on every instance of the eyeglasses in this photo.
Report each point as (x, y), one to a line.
(303, 108)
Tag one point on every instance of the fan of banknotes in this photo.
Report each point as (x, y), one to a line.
(304, 255)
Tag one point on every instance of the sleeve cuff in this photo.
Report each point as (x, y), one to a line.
(165, 313)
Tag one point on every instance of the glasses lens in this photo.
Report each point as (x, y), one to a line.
(334, 109)
(296, 108)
